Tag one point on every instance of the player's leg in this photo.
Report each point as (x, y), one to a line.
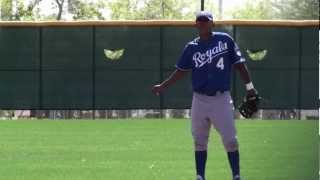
(223, 121)
(200, 131)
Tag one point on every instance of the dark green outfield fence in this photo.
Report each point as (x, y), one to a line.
(63, 66)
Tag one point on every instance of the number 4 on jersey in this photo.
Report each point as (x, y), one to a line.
(220, 64)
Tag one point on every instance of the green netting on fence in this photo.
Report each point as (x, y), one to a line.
(98, 67)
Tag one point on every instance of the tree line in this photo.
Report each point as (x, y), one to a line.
(19, 10)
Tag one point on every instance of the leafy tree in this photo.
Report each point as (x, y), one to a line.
(21, 11)
(6, 9)
(259, 9)
(278, 9)
(60, 4)
(81, 9)
(296, 9)
(152, 9)
(26, 12)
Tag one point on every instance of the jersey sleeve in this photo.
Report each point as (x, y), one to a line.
(236, 56)
(185, 61)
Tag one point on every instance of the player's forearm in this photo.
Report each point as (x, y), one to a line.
(244, 72)
(173, 78)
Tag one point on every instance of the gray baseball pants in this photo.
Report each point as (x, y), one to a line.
(216, 111)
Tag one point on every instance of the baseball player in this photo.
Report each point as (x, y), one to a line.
(211, 58)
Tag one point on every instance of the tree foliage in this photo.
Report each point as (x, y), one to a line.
(81, 9)
(259, 9)
(6, 9)
(22, 10)
(278, 9)
(152, 9)
(296, 9)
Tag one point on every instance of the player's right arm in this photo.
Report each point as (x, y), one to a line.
(183, 66)
(173, 78)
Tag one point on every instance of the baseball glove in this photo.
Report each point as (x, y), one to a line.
(249, 105)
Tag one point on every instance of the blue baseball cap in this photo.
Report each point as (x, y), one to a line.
(204, 16)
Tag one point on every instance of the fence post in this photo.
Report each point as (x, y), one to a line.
(161, 69)
(202, 5)
(40, 71)
(93, 72)
(299, 72)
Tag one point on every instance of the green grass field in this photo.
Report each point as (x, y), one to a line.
(151, 150)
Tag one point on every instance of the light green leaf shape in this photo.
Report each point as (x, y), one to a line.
(257, 55)
(113, 55)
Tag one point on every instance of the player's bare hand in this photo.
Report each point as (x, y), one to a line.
(157, 89)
